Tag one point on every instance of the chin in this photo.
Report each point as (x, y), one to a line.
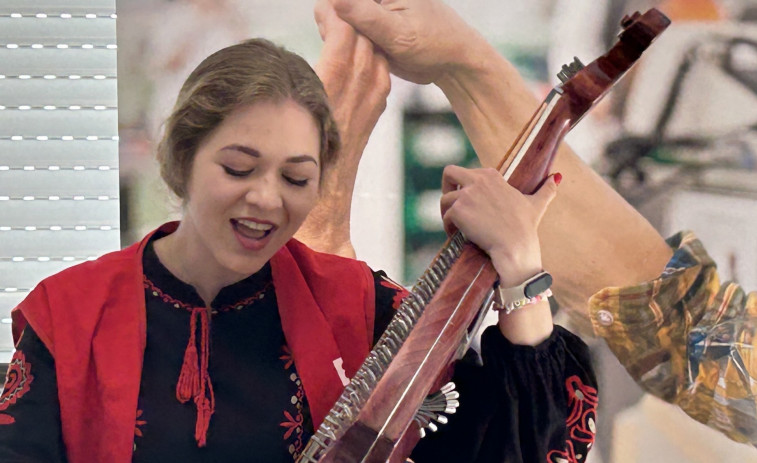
(245, 265)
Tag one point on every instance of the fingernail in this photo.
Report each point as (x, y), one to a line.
(558, 178)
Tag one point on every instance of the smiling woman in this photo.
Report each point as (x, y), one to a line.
(236, 76)
(220, 337)
(253, 181)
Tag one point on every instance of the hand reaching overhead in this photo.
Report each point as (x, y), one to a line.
(356, 78)
(423, 39)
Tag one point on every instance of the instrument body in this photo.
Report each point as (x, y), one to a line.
(372, 422)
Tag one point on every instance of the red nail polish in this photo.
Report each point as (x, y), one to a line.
(558, 178)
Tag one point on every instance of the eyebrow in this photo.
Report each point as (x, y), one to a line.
(256, 154)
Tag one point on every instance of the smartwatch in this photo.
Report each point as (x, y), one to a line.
(529, 289)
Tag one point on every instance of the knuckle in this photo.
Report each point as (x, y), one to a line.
(341, 6)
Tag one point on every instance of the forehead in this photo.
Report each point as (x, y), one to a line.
(274, 127)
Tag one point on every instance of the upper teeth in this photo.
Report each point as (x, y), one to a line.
(255, 225)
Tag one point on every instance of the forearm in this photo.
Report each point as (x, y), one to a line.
(327, 227)
(491, 100)
(591, 238)
(356, 80)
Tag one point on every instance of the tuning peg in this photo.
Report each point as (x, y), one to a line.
(569, 70)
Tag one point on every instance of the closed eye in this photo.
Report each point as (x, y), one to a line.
(237, 173)
(296, 182)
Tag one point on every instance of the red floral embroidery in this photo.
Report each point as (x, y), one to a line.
(17, 383)
(400, 292)
(137, 431)
(287, 357)
(293, 422)
(581, 423)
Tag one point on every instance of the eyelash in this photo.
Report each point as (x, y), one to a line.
(298, 183)
(243, 173)
(237, 173)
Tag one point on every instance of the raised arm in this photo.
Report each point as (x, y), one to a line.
(591, 238)
(356, 78)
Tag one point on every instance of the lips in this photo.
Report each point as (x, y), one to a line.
(252, 234)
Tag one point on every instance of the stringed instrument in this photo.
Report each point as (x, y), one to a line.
(380, 415)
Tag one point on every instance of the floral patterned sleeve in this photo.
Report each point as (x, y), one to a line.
(688, 339)
(517, 403)
(30, 429)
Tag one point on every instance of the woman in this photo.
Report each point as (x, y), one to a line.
(220, 338)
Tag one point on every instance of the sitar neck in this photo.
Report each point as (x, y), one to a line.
(372, 422)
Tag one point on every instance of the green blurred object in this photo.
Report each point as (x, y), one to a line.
(431, 140)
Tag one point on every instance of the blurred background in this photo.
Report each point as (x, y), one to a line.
(677, 138)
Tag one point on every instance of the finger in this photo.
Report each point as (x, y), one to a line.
(382, 62)
(321, 11)
(369, 18)
(324, 15)
(375, 67)
(546, 193)
(381, 69)
(338, 49)
(338, 35)
(380, 80)
(447, 200)
(449, 222)
(455, 177)
(364, 54)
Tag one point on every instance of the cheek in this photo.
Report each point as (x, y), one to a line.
(210, 196)
(304, 203)
(219, 187)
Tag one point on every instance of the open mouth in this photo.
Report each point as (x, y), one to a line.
(251, 229)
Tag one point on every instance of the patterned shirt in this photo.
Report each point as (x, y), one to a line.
(688, 339)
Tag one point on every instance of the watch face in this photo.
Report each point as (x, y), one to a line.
(538, 285)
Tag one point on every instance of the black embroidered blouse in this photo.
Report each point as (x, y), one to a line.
(518, 404)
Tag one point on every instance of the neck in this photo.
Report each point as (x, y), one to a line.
(194, 264)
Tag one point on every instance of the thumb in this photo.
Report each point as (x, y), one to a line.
(369, 18)
(322, 12)
(546, 193)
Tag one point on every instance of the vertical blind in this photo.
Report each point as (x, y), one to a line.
(58, 142)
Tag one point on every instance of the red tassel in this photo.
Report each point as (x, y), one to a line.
(194, 383)
(189, 378)
(204, 412)
(206, 404)
(188, 385)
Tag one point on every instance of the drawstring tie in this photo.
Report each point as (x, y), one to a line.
(194, 380)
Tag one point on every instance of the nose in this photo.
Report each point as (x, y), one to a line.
(264, 194)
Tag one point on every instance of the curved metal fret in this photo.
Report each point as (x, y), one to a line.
(357, 392)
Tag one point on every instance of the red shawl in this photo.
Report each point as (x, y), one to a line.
(92, 319)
